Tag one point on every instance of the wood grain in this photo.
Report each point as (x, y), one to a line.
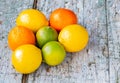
(99, 62)
(8, 13)
(113, 11)
(90, 65)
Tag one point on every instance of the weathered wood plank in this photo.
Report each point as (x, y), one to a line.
(113, 7)
(98, 63)
(10, 78)
(8, 12)
(58, 74)
(89, 65)
(94, 65)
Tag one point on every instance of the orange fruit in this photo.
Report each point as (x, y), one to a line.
(53, 53)
(19, 36)
(62, 17)
(46, 34)
(73, 37)
(32, 19)
(26, 58)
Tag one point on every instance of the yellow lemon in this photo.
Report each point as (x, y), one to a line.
(32, 19)
(26, 58)
(73, 37)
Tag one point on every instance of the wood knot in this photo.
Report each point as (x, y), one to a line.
(90, 63)
(0, 22)
(48, 69)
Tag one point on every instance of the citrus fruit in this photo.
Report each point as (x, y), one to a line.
(46, 34)
(19, 36)
(73, 37)
(26, 58)
(32, 19)
(53, 53)
(62, 17)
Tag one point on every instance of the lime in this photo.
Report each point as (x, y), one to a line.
(46, 34)
(53, 53)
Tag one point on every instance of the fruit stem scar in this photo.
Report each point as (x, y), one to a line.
(35, 4)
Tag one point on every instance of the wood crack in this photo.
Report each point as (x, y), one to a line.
(24, 78)
(83, 12)
(35, 4)
(106, 12)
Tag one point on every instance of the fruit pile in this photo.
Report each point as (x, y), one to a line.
(34, 39)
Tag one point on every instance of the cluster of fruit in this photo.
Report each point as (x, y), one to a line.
(35, 39)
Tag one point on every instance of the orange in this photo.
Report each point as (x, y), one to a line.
(32, 19)
(73, 37)
(26, 58)
(62, 17)
(19, 36)
(53, 53)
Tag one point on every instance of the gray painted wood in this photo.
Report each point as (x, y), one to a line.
(9, 10)
(113, 11)
(89, 65)
(99, 62)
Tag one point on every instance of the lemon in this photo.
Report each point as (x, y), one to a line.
(32, 19)
(73, 37)
(26, 58)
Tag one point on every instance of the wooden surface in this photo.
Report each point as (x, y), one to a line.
(99, 62)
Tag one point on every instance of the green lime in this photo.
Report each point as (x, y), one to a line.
(46, 34)
(53, 53)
